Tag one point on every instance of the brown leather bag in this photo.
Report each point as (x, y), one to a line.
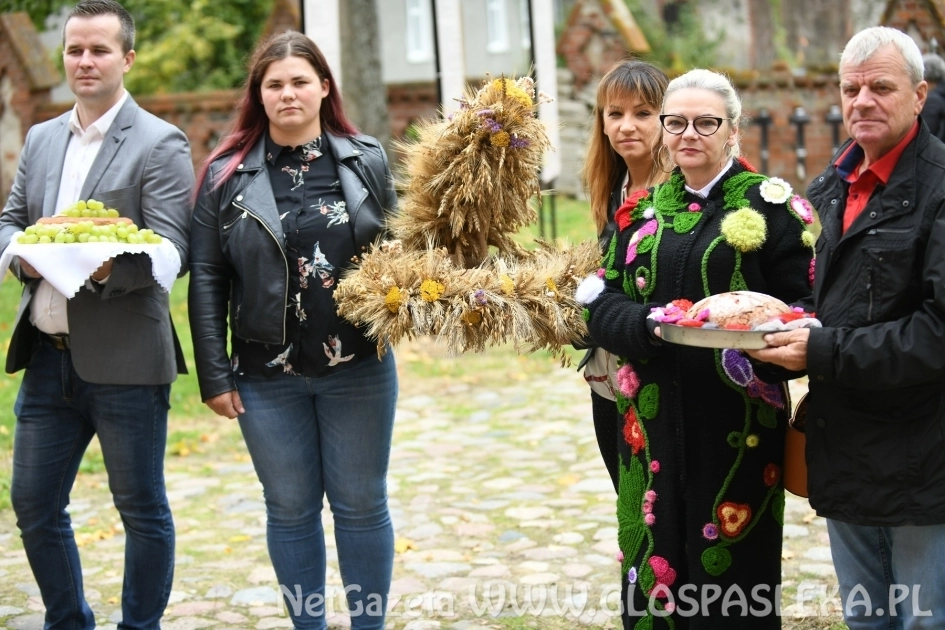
(795, 442)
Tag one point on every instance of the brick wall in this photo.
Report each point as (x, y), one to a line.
(917, 17)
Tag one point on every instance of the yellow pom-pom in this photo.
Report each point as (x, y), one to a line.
(745, 229)
(513, 91)
(431, 290)
(751, 441)
(394, 299)
(807, 238)
(500, 139)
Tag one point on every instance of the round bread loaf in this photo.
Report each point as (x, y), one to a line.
(742, 310)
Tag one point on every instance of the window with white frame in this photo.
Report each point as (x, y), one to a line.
(497, 28)
(419, 46)
(525, 23)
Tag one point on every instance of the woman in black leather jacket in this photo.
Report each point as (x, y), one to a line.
(285, 203)
(620, 158)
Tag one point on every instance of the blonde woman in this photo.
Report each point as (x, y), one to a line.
(621, 157)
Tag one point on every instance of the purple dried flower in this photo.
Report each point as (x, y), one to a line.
(492, 125)
(519, 143)
(480, 297)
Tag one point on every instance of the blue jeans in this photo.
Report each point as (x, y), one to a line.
(899, 571)
(315, 437)
(57, 413)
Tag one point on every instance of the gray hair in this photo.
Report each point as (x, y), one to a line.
(702, 79)
(934, 68)
(864, 45)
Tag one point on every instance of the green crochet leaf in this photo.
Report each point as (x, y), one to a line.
(716, 560)
(622, 404)
(586, 314)
(631, 530)
(738, 282)
(767, 416)
(648, 402)
(777, 507)
(645, 623)
(684, 222)
(646, 244)
(611, 274)
(647, 579)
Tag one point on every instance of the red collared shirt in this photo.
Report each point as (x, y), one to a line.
(863, 184)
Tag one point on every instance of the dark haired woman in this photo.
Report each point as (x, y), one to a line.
(284, 204)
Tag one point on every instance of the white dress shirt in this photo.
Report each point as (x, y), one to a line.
(48, 306)
(704, 192)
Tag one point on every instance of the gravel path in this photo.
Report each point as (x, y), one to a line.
(503, 511)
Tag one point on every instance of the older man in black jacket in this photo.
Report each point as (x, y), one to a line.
(876, 415)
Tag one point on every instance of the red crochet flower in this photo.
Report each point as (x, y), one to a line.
(747, 165)
(623, 217)
(682, 303)
(664, 574)
(772, 474)
(733, 517)
(790, 317)
(632, 432)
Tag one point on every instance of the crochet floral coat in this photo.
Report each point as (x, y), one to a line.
(700, 500)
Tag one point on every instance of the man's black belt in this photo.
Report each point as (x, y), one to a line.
(59, 342)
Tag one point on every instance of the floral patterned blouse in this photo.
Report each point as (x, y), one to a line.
(319, 243)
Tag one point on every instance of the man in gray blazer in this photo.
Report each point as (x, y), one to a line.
(100, 363)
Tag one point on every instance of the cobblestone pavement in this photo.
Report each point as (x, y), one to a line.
(503, 510)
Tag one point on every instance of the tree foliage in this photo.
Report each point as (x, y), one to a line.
(181, 45)
(681, 45)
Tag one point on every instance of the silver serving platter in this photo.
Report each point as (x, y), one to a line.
(714, 337)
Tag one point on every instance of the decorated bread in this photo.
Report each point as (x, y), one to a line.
(737, 310)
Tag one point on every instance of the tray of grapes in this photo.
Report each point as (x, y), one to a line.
(68, 262)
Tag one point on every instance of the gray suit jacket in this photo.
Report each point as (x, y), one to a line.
(120, 332)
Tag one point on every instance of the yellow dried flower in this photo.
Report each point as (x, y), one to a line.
(472, 317)
(394, 299)
(508, 286)
(431, 290)
(552, 288)
(500, 139)
(745, 229)
(511, 90)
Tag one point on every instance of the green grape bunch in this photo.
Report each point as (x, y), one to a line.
(88, 231)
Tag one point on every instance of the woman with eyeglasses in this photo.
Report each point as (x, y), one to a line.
(701, 505)
(620, 158)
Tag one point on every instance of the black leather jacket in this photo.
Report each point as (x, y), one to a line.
(876, 420)
(239, 265)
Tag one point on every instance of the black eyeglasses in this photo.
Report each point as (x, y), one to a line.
(704, 125)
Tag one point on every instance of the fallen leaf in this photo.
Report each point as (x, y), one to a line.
(403, 544)
(810, 516)
(240, 538)
(786, 554)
